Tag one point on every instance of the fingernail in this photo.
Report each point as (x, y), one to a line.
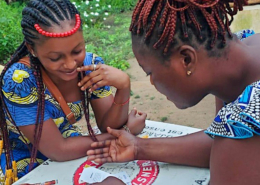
(82, 88)
(79, 84)
(90, 91)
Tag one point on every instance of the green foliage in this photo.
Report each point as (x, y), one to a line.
(10, 29)
(163, 119)
(119, 5)
(92, 12)
(111, 41)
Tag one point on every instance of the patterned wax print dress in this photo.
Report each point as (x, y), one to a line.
(20, 95)
(239, 119)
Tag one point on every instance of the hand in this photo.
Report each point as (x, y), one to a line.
(102, 76)
(121, 149)
(136, 121)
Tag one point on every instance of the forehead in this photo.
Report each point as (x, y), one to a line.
(65, 44)
(146, 55)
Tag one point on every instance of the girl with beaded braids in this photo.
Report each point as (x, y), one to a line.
(33, 125)
(188, 50)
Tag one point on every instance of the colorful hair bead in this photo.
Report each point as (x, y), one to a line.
(66, 34)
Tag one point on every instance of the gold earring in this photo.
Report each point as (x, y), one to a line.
(188, 73)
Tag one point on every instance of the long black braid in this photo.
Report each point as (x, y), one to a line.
(45, 13)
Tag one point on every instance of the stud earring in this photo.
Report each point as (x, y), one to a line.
(188, 73)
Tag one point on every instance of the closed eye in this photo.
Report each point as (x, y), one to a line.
(148, 74)
(77, 52)
(55, 59)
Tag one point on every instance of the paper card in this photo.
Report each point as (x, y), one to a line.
(93, 175)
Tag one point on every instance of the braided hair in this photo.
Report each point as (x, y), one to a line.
(164, 23)
(46, 13)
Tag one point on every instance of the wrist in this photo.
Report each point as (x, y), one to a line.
(138, 148)
(126, 128)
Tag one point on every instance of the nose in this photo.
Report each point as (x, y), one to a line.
(151, 80)
(70, 64)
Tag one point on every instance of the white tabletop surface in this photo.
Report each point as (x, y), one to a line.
(63, 172)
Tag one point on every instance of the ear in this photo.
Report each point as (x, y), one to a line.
(30, 49)
(190, 59)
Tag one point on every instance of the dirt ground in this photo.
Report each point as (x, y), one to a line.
(146, 98)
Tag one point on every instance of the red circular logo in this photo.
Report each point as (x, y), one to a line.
(141, 172)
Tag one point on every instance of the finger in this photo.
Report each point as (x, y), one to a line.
(133, 112)
(97, 85)
(88, 77)
(88, 68)
(100, 144)
(114, 132)
(141, 113)
(91, 82)
(103, 160)
(98, 151)
(100, 156)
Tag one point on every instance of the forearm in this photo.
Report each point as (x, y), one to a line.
(117, 115)
(192, 150)
(74, 147)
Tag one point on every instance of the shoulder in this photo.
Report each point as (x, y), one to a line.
(92, 58)
(253, 40)
(19, 81)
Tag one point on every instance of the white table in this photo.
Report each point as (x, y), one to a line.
(163, 174)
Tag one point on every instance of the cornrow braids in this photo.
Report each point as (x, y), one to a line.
(72, 8)
(63, 7)
(38, 5)
(55, 9)
(46, 13)
(161, 20)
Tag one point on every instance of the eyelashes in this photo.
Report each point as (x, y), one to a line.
(148, 74)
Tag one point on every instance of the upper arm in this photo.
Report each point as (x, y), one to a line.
(51, 140)
(20, 95)
(235, 162)
(100, 107)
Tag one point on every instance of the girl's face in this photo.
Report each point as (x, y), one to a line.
(170, 78)
(61, 56)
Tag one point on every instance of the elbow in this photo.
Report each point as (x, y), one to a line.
(56, 156)
(102, 128)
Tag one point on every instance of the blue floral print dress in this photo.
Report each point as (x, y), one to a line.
(20, 96)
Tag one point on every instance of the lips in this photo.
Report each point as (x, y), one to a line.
(71, 72)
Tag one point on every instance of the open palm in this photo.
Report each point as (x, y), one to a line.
(120, 149)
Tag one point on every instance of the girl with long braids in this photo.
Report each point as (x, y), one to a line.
(33, 124)
(188, 50)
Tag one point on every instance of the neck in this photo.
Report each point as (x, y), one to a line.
(233, 72)
(60, 83)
